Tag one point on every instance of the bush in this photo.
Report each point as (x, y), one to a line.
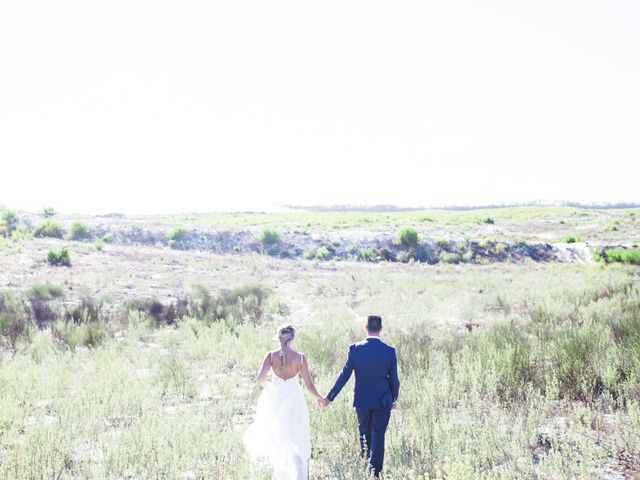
(162, 314)
(107, 237)
(21, 233)
(269, 237)
(79, 231)
(99, 244)
(72, 335)
(442, 242)
(175, 236)
(48, 212)
(448, 257)
(504, 360)
(461, 245)
(576, 361)
(623, 255)
(241, 304)
(59, 257)
(49, 229)
(45, 292)
(14, 324)
(408, 237)
(87, 311)
(367, 254)
(613, 226)
(500, 248)
(9, 220)
(572, 239)
(488, 220)
(322, 253)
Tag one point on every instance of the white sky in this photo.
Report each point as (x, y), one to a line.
(153, 106)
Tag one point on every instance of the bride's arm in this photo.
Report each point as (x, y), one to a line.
(306, 376)
(264, 370)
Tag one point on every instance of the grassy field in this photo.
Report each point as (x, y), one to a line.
(508, 370)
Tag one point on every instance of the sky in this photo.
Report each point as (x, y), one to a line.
(164, 107)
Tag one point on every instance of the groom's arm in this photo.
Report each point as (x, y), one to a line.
(394, 381)
(342, 378)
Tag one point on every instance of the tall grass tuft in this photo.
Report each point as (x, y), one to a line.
(59, 257)
(79, 231)
(48, 229)
(407, 237)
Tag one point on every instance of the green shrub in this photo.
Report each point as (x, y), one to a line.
(174, 236)
(14, 323)
(107, 237)
(269, 237)
(93, 334)
(88, 310)
(71, 335)
(59, 257)
(99, 244)
(407, 237)
(241, 305)
(79, 231)
(500, 248)
(45, 292)
(572, 239)
(576, 362)
(442, 242)
(9, 221)
(623, 255)
(21, 233)
(48, 212)
(162, 314)
(448, 257)
(367, 254)
(461, 245)
(488, 220)
(322, 253)
(49, 229)
(503, 360)
(613, 226)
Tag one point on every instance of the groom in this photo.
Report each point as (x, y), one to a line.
(375, 392)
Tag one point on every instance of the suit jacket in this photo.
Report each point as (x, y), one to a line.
(376, 366)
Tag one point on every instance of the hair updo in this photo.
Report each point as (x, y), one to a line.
(286, 333)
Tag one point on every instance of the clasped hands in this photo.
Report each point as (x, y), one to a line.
(324, 402)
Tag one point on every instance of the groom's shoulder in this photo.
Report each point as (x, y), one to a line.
(357, 344)
(389, 347)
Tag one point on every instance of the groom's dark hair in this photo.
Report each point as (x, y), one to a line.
(374, 323)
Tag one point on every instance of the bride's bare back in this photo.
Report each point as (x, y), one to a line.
(287, 368)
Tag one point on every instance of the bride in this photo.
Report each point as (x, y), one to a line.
(279, 433)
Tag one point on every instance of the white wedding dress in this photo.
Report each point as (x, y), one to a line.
(280, 433)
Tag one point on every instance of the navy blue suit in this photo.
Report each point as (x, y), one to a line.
(375, 391)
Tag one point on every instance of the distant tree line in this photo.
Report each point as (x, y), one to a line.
(396, 208)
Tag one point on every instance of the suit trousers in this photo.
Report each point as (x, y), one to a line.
(372, 425)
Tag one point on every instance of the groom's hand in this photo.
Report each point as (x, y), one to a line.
(324, 402)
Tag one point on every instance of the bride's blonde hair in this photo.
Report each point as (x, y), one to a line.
(286, 333)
